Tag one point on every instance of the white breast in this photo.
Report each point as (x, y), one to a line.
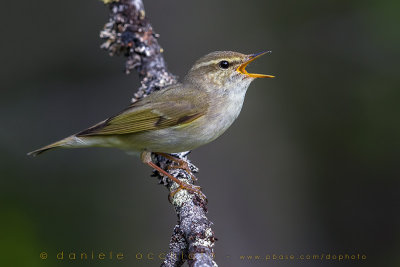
(226, 109)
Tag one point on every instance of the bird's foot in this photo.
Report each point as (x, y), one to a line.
(146, 158)
(180, 164)
(189, 187)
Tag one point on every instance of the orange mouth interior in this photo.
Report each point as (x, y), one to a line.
(242, 68)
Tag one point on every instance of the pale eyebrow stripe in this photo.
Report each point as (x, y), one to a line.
(215, 61)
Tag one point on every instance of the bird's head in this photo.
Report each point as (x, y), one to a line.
(223, 70)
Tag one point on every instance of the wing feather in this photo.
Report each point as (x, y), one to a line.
(148, 115)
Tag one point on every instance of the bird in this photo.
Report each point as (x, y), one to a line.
(180, 117)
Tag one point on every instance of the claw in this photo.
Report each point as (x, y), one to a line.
(180, 164)
(183, 167)
(191, 188)
(146, 158)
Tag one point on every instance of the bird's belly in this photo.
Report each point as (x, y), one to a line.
(174, 139)
(185, 137)
(182, 137)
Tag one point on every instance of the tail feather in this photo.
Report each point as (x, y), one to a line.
(58, 144)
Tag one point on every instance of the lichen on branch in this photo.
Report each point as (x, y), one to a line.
(129, 33)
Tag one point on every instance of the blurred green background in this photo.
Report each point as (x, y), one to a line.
(311, 165)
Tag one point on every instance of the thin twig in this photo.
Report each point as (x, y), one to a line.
(129, 33)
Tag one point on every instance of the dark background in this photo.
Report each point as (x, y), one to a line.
(310, 166)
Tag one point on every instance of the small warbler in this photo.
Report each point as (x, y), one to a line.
(178, 118)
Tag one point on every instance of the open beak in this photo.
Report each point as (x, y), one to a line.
(242, 68)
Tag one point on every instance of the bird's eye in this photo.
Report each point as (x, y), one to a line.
(224, 64)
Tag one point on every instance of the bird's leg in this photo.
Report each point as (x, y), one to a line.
(181, 164)
(146, 158)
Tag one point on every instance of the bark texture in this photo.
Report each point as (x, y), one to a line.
(130, 34)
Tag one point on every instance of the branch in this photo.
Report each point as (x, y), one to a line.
(129, 33)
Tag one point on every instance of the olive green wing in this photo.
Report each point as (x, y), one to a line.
(147, 117)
